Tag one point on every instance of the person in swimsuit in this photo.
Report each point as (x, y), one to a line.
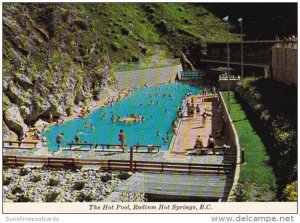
(122, 139)
(59, 139)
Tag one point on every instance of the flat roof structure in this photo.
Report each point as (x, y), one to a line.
(176, 187)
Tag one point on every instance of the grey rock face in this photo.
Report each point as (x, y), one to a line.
(44, 64)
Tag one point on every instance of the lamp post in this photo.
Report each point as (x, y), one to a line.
(225, 19)
(240, 20)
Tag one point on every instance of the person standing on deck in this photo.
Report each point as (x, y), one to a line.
(122, 139)
(197, 110)
(204, 119)
(50, 117)
(211, 143)
(59, 139)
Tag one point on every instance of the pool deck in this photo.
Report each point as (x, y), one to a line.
(188, 130)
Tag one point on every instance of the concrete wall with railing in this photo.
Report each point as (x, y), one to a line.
(233, 141)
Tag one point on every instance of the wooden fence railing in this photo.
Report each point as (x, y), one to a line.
(146, 148)
(122, 164)
(18, 143)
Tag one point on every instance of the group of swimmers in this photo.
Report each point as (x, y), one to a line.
(88, 124)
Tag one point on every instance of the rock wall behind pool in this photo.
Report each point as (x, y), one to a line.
(49, 66)
(151, 77)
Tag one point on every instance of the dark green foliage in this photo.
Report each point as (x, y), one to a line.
(79, 185)
(252, 192)
(105, 178)
(124, 31)
(24, 198)
(6, 180)
(272, 107)
(23, 171)
(124, 175)
(36, 178)
(51, 196)
(150, 9)
(162, 26)
(17, 189)
(53, 182)
(115, 46)
(85, 197)
(81, 24)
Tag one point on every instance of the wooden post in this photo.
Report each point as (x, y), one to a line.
(131, 159)
(243, 156)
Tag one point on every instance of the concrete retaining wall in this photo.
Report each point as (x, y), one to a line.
(233, 141)
(284, 65)
(224, 84)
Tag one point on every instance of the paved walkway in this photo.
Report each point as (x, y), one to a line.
(187, 132)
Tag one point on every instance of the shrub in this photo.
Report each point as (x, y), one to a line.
(273, 115)
(85, 197)
(124, 31)
(115, 46)
(290, 192)
(81, 24)
(23, 171)
(36, 178)
(105, 178)
(149, 9)
(124, 175)
(53, 181)
(17, 189)
(180, 9)
(6, 180)
(162, 26)
(50, 196)
(249, 191)
(24, 198)
(79, 185)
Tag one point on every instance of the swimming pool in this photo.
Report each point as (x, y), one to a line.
(157, 104)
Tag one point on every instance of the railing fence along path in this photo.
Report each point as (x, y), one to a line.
(121, 164)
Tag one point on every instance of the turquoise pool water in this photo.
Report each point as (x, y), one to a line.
(151, 103)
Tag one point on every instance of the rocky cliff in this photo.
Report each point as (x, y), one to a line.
(52, 60)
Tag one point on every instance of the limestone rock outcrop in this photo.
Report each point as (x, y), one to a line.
(51, 62)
